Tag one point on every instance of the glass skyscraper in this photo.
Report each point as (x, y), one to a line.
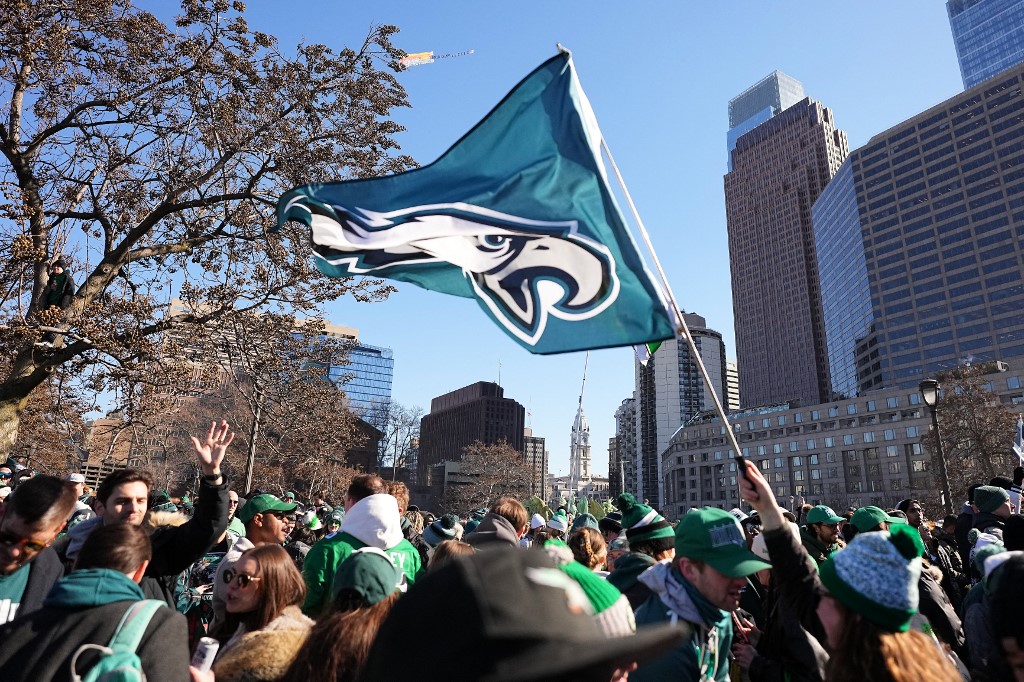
(988, 35)
(369, 373)
(924, 224)
(769, 96)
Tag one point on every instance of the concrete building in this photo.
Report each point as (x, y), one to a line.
(622, 459)
(779, 169)
(478, 412)
(669, 391)
(988, 36)
(851, 452)
(732, 386)
(919, 244)
(536, 456)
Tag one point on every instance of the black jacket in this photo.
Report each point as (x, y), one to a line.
(792, 644)
(43, 572)
(176, 548)
(40, 645)
(936, 607)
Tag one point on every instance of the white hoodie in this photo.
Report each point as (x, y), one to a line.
(375, 521)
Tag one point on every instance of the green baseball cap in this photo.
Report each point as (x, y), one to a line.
(715, 537)
(823, 514)
(868, 518)
(262, 503)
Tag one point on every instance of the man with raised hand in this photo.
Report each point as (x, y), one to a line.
(123, 497)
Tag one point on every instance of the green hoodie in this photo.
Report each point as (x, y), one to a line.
(92, 587)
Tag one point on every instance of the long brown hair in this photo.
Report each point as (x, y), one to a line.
(866, 652)
(338, 645)
(588, 547)
(280, 585)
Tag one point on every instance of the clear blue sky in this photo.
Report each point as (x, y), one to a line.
(659, 76)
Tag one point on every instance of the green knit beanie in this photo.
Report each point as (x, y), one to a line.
(876, 576)
(641, 521)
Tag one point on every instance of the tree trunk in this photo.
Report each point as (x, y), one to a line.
(10, 418)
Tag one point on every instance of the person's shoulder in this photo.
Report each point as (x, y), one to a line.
(653, 610)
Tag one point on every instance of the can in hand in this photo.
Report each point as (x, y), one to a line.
(206, 651)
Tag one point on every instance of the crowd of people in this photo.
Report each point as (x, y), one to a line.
(263, 588)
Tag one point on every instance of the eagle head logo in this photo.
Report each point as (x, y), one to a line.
(523, 270)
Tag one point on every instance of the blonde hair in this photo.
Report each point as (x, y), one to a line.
(589, 547)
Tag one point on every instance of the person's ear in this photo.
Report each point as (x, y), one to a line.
(139, 572)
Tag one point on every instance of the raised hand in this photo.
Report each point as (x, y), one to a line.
(755, 490)
(210, 452)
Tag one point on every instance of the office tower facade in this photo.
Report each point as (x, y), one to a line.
(622, 459)
(370, 372)
(920, 243)
(732, 386)
(779, 170)
(669, 392)
(860, 451)
(988, 36)
(536, 457)
(771, 95)
(478, 412)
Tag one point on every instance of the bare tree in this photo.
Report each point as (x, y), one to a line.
(151, 157)
(977, 433)
(400, 427)
(486, 473)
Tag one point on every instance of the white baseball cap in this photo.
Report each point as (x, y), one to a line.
(75, 478)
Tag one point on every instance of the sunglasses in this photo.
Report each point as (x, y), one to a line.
(2, 475)
(241, 579)
(28, 548)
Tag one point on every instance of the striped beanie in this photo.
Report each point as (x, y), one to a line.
(642, 522)
(612, 612)
(440, 530)
(876, 576)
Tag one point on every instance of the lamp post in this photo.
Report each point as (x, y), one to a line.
(930, 393)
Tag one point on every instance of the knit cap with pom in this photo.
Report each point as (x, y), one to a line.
(876, 576)
(559, 521)
(440, 530)
(641, 521)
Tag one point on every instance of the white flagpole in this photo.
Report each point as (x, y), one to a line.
(681, 329)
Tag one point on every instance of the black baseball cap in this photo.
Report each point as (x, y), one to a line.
(518, 617)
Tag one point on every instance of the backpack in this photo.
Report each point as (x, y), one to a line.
(119, 661)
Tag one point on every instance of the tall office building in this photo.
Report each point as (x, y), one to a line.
(669, 392)
(988, 36)
(478, 412)
(536, 457)
(919, 243)
(622, 456)
(778, 170)
(369, 372)
(771, 95)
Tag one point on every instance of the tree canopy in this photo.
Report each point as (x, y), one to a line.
(149, 158)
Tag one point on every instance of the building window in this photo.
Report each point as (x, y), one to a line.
(896, 484)
(894, 467)
(766, 464)
(782, 420)
(1013, 382)
(777, 448)
(848, 439)
(815, 415)
(793, 446)
(830, 442)
(762, 450)
(833, 411)
(798, 417)
(869, 437)
(890, 434)
(892, 402)
(915, 398)
(812, 459)
(919, 466)
(912, 432)
(891, 451)
(779, 463)
(830, 456)
(871, 406)
(810, 444)
(815, 474)
(851, 408)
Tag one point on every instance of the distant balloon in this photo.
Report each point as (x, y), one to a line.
(419, 58)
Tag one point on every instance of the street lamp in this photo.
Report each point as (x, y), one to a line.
(930, 393)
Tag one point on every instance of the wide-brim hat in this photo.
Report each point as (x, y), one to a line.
(520, 618)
